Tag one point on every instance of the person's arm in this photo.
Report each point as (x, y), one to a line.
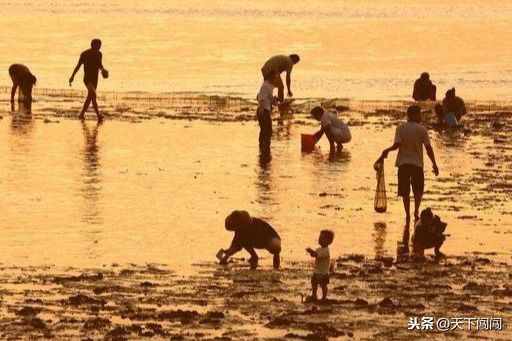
(289, 82)
(77, 67)
(386, 151)
(432, 157)
(395, 146)
(13, 91)
(327, 131)
(311, 252)
(234, 248)
(318, 135)
(101, 62)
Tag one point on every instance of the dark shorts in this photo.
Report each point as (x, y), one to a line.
(410, 176)
(320, 279)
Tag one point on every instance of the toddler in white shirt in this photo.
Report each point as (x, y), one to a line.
(322, 264)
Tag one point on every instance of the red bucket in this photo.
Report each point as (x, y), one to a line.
(307, 142)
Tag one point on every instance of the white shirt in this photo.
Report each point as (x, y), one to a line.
(322, 261)
(411, 136)
(266, 96)
(337, 128)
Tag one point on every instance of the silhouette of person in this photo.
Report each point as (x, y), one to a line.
(454, 105)
(273, 68)
(24, 79)
(251, 233)
(410, 138)
(92, 61)
(424, 89)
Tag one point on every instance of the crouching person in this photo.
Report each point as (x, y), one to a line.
(251, 233)
(428, 233)
(335, 129)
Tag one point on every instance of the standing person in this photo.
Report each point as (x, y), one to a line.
(424, 89)
(92, 61)
(322, 264)
(24, 79)
(410, 138)
(454, 105)
(273, 68)
(265, 99)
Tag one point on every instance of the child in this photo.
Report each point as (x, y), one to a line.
(322, 264)
(428, 233)
(251, 233)
(334, 128)
(264, 113)
(447, 119)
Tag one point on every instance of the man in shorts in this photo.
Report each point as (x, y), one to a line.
(92, 61)
(273, 68)
(410, 137)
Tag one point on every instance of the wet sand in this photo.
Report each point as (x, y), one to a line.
(368, 300)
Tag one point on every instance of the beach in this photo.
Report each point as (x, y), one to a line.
(110, 225)
(369, 299)
(103, 197)
(123, 268)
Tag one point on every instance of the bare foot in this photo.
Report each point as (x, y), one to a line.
(439, 256)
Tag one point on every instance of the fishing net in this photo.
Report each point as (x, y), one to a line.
(381, 201)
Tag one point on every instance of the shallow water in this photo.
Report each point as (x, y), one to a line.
(150, 187)
(350, 48)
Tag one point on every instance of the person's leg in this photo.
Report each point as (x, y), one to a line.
(314, 288)
(85, 107)
(254, 257)
(418, 185)
(261, 122)
(437, 248)
(404, 190)
(278, 83)
(88, 99)
(275, 249)
(91, 87)
(406, 233)
(28, 99)
(339, 147)
(433, 93)
(265, 132)
(324, 291)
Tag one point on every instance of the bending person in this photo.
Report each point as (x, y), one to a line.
(92, 61)
(454, 105)
(424, 89)
(273, 68)
(251, 233)
(24, 79)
